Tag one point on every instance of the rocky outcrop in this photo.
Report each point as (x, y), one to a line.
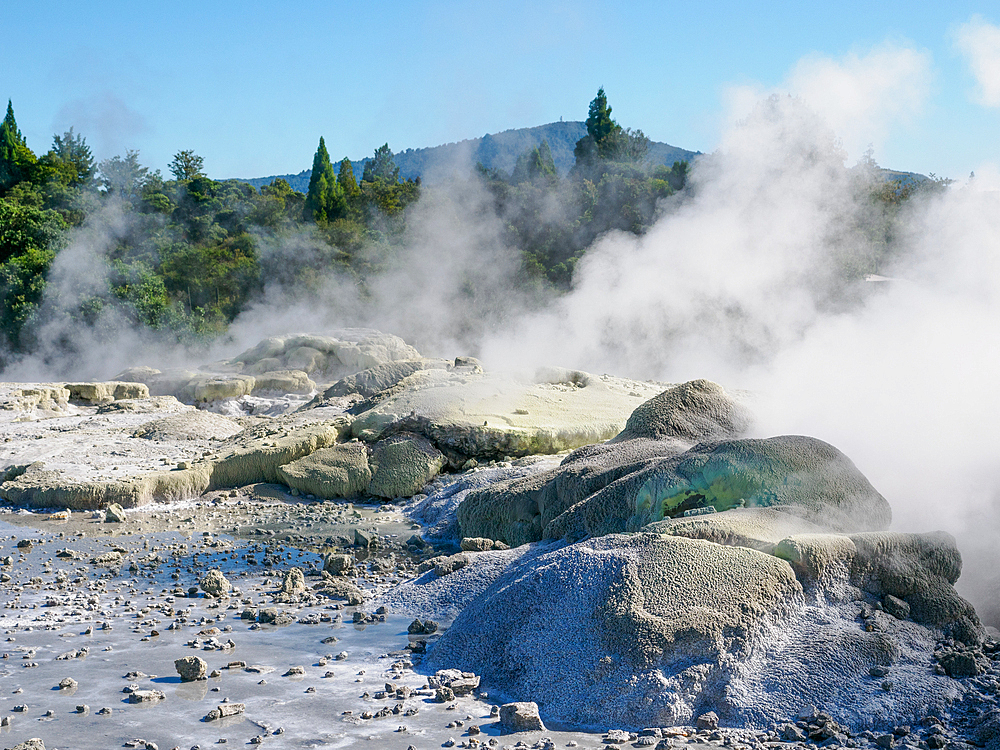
(650, 471)
(404, 464)
(469, 414)
(341, 470)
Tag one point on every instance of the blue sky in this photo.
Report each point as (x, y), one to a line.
(251, 86)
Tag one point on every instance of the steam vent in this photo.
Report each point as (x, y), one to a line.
(329, 538)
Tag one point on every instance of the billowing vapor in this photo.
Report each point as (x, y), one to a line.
(979, 43)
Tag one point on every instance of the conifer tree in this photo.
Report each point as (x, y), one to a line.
(345, 178)
(16, 159)
(325, 199)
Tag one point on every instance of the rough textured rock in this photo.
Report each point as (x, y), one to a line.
(114, 513)
(624, 486)
(918, 570)
(33, 744)
(404, 464)
(652, 630)
(340, 589)
(564, 628)
(191, 668)
(339, 565)
(692, 411)
(341, 470)
(214, 583)
(380, 378)
(520, 717)
(102, 393)
(223, 387)
(294, 582)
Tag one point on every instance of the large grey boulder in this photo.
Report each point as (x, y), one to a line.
(404, 464)
(341, 470)
(520, 717)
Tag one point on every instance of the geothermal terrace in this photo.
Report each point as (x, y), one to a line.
(331, 541)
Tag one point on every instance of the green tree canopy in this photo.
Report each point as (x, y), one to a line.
(16, 159)
(603, 139)
(124, 177)
(381, 167)
(345, 177)
(70, 156)
(325, 199)
(535, 164)
(187, 165)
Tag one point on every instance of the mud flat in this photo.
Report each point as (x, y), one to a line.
(364, 546)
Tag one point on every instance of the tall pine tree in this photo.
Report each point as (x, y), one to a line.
(16, 159)
(601, 132)
(345, 178)
(325, 199)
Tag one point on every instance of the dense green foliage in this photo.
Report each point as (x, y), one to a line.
(184, 256)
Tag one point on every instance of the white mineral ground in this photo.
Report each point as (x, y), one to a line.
(121, 620)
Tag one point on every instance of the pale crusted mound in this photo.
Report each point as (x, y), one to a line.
(645, 629)
(152, 405)
(918, 569)
(381, 377)
(693, 411)
(280, 364)
(470, 414)
(248, 457)
(189, 425)
(756, 528)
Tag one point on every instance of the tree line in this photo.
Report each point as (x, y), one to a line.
(185, 254)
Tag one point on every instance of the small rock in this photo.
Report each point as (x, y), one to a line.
(520, 717)
(114, 513)
(215, 584)
(191, 668)
(145, 696)
(67, 683)
(708, 721)
(295, 672)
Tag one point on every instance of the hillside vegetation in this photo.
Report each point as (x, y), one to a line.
(183, 255)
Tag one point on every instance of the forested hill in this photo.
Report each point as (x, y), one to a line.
(498, 151)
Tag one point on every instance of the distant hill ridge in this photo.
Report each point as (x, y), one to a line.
(494, 151)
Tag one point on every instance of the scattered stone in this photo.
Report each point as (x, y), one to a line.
(114, 513)
(520, 717)
(708, 720)
(191, 668)
(145, 696)
(214, 583)
(67, 684)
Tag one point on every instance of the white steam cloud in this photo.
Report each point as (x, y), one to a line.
(859, 96)
(979, 43)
